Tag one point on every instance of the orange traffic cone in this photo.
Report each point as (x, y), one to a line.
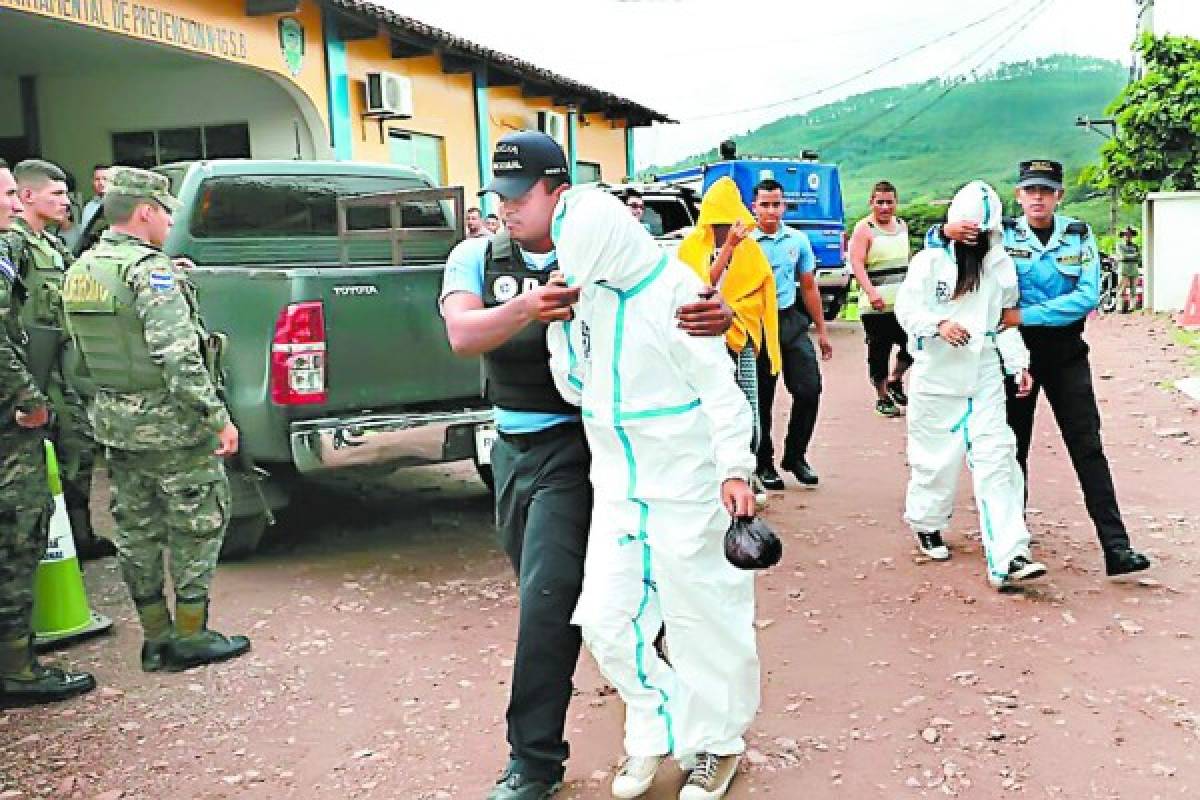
(1190, 318)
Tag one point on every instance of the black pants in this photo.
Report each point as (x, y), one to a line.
(543, 511)
(883, 332)
(1059, 366)
(802, 377)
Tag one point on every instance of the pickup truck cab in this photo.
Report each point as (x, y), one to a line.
(813, 193)
(335, 356)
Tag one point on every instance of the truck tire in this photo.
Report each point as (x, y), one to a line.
(243, 536)
(833, 308)
(486, 475)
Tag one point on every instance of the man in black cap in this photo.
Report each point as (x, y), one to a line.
(1058, 270)
(497, 301)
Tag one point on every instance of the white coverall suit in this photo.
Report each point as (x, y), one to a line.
(957, 399)
(667, 425)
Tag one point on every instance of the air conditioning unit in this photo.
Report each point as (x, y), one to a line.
(554, 125)
(389, 95)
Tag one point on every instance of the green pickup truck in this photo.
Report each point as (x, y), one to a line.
(335, 356)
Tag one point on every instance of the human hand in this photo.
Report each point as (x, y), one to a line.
(738, 233)
(826, 346)
(953, 333)
(709, 316)
(737, 497)
(877, 301)
(963, 231)
(183, 263)
(1024, 383)
(550, 303)
(1009, 318)
(228, 438)
(38, 418)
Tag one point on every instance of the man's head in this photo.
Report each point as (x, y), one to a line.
(1128, 234)
(474, 220)
(43, 189)
(10, 201)
(1040, 190)
(529, 172)
(635, 203)
(100, 179)
(769, 204)
(139, 202)
(492, 223)
(884, 198)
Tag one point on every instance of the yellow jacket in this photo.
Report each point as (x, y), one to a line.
(748, 284)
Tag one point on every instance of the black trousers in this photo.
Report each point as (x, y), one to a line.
(802, 377)
(543, 512)
(1060, 368)
(883, 332)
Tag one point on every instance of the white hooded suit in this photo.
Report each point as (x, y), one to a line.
(956, 394)
(666, 424)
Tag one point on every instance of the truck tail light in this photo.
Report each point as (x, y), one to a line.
(298, 356)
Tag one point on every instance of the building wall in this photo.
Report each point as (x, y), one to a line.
(10, 106)
(602, 141)
(206, 94)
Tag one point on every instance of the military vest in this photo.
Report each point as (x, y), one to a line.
(100, 316)
(42, 262)
(517, 373)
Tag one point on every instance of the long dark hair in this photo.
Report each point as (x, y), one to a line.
(969, 258)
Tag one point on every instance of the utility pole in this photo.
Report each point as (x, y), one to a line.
(1145, 24)
(1113, 195)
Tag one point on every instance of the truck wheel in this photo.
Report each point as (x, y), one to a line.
(486, 475)
(833, 308)
(242, 536)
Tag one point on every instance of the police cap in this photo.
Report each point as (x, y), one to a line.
(521, 160)
(1040, 172)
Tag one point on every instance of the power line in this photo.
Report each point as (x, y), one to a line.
(951, 70)
(869, 71)
(1038, 11)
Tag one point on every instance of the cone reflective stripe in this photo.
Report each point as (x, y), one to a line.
(60, 606)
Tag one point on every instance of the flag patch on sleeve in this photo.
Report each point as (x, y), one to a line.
(162, 280)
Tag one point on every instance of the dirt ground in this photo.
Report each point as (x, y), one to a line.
(383, 620)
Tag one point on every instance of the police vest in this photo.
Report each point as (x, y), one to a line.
(517, 373)
(101, 319)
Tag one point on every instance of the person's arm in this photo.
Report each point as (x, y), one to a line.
(737, 234)
(860, 244)
(806, 267)
(566, 367)
(174, 343)
(913, 310)
(15, 380)
(708, 315)
(1075, 304)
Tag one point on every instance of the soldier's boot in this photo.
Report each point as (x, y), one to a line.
(156, 630)
(193, 643)
(23, 681)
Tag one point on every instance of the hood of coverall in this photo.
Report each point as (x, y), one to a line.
(977, 202)
(598, 241)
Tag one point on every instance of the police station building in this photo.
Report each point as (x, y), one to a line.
(85, 82)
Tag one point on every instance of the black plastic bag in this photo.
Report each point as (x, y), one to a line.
(750, 544)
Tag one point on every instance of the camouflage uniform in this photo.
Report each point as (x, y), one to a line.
(156, 410)
(41, 261)
(24, 490)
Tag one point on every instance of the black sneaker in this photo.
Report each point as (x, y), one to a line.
(770, 478)
(886, 408)
(516, 786)
(895, 391)
(1020, 569)
(805, 474)
(930, 543)
(1124, 561)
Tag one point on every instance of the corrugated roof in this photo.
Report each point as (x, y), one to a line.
(638, 113)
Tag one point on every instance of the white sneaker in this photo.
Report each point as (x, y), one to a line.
(930, 543)
(635, 776)
(710, 778)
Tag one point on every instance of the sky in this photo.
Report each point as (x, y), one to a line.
(723, 67)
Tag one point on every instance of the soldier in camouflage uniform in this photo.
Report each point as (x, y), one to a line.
(25, 500)
(42, 259)
(133, 317)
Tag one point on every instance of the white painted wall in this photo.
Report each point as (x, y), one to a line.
(10, 106)
(1169, 224)
(1177, 17)
(133, 99)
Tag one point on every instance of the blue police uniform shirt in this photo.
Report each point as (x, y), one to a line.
(464, 273)
(1059, 281)
(790, 255)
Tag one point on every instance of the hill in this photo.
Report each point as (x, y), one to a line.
(929, 138)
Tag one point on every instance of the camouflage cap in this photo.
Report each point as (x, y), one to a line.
(142, 184)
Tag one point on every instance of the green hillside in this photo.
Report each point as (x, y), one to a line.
(929, 141)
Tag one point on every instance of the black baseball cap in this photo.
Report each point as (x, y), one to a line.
(521, 160)
(1040, 172)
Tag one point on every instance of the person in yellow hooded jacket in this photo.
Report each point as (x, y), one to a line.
(720, 251)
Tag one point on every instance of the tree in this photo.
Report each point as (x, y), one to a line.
(1157, 145)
